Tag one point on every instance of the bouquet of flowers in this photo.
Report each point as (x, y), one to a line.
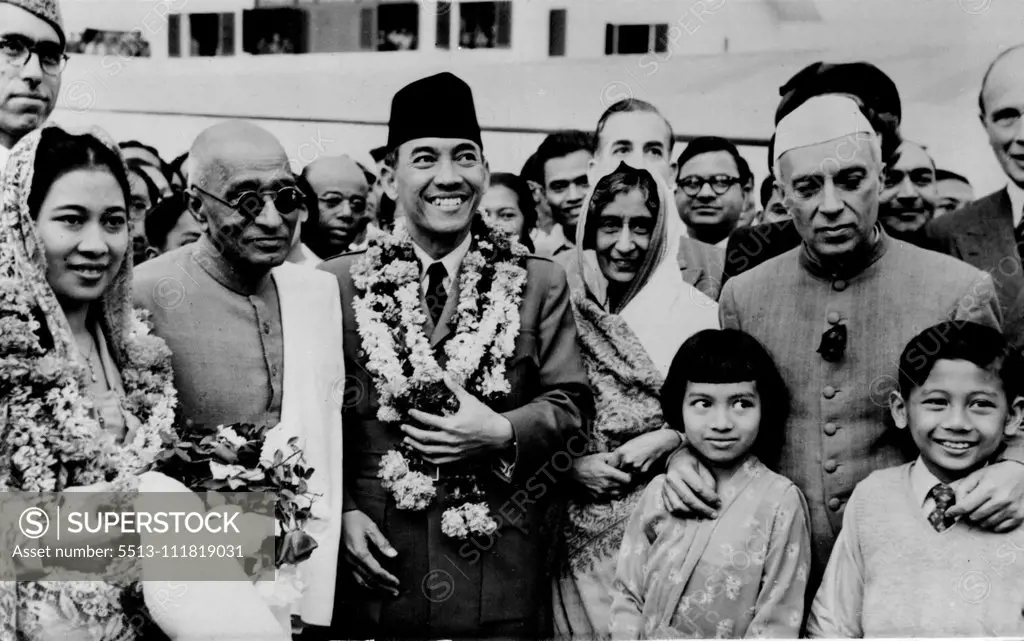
(238, 458)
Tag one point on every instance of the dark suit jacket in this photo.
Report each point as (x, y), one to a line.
(701, 265)
(460, 588)
(750, 246)
(982, 234)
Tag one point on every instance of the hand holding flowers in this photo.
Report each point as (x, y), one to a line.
(233, 458)
(473, 430)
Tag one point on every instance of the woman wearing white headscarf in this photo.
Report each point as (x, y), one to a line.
(633, 310)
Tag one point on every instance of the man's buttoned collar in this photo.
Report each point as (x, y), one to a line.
(221, 270)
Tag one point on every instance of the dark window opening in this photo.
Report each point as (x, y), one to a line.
(398, 26)
(444, 25)
(635, 39)
(174, 35)
(485, 25)
(366, 29)
(556, 32)
(204, 29)
(274, 31)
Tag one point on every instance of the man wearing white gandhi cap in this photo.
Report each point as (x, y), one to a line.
(836, 313)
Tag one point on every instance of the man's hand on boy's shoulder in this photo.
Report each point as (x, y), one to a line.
(992, 497)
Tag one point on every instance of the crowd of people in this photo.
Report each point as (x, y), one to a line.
(613, 394)
(98, 42)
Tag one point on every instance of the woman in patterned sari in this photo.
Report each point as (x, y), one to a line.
(633, 310)
(86, 398)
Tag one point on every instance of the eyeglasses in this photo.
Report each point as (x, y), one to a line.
(17, 51)
(720, 183)
(287, 200)
(356, 203)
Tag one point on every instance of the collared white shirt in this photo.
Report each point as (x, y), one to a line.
(1016, 202)
(451, 263)
(4, 153)
(921, 482)
(548, 243)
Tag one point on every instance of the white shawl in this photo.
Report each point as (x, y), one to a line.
(314, 379)
(666, 310)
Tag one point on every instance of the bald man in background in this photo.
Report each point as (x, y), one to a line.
(340, 189)
(254, 339)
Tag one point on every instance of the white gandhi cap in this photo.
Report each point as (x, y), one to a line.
(820, 119)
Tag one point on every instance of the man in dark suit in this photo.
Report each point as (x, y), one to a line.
(636, 133)
(407, 576)
(988, 232)
(748, 247)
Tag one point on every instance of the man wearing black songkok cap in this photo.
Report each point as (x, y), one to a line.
(879, 98)
(406, 574)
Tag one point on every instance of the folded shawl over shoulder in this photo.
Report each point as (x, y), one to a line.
(314, 375)
(627, 354)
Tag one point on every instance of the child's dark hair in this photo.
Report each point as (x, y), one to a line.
(961, 341)
(730, 356)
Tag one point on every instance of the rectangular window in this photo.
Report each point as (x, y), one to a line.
(366, 29)
(660, 38)
(444, 25)
(227, 34)
(556, 32)
(485, 25)
(635, 39)
(398, 26)
(174, 35)
(273, 31)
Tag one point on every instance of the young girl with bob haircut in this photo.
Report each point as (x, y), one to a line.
(744, 572)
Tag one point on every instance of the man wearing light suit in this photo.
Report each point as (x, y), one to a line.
(988, 232)
(403, 575)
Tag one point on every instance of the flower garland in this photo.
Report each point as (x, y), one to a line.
(51, 437)
(390, 318)
(52, 440)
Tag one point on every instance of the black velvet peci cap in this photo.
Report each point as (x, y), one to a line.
(862, 79)
(439, 106)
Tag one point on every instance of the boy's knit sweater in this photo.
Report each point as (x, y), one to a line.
(896, 576)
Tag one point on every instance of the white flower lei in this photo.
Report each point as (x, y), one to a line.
(390, 319)
(52, 439)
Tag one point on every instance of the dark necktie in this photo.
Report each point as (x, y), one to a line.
(436, 295)
(1018, 237)
(945, 498)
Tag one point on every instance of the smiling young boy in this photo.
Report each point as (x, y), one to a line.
(902, 566)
